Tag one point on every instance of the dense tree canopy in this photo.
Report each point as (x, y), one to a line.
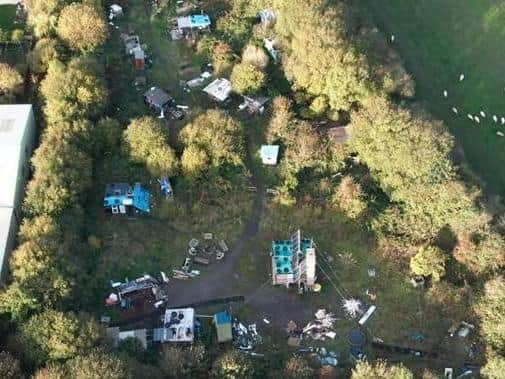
(97, 364)
(184, 362)
(9, 366)
(297, 368)
(349, 198)
(62, 175)
(409, 156)
(247, 79)
(319, 58)
(255, 56)
(51, 371)
(380, 370)
(53, 335)
(43, 15)
(211, 141)
(44, 51)
(74, 91)
(429, 261)
(10, 82)
(491, 310)
(282, 117)
(494, 368)
(82, 27)
(146, 143)
(232, 365)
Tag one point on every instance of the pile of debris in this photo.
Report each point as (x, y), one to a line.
(202, 252)
(324, 357)
(245, 338)
(185, 271)
(322, 327)
(145, 289)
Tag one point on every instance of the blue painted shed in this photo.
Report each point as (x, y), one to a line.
(193, 22)
(222, 321)
(200, 21)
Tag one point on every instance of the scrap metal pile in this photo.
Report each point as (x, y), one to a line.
(322, 327)
(202, 253)
(245, 338)
(324, 357)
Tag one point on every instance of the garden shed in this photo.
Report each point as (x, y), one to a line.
(222, 321)
(255, 104)
(193, 22)
(220, 89)
(269, 154)
(294, 262)
(339, 134)
(157, 99)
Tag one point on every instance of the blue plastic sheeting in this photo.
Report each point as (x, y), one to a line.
(222, 318)
(200, 21)
(141, 198)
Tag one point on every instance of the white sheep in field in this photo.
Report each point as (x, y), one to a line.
(392, 38)
(500, 134)
(503, 120)
(477, 119)
(482, 114)
(461, 77)
(495, 119)
(469, 116)
(455, 110)
(445, 93)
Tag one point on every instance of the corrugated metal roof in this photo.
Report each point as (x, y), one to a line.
(14, 122)
(220, 89)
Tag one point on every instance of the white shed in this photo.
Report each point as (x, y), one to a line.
(220, 89)
(17, 138)
(269, 154)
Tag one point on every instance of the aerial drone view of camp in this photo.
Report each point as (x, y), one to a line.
(251, 189)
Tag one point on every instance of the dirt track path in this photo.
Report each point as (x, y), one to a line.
(222, 280)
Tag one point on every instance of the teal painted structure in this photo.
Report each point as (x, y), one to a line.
(200, 21)
(282, 252)
(122, 197)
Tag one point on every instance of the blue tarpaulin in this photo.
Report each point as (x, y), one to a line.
(141, 198)
(200, 21)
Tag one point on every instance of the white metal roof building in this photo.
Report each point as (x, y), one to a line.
(179, 325)
(220, 89)
(17, 132)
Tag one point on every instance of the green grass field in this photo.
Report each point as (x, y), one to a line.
(7, 14)
(439, 40)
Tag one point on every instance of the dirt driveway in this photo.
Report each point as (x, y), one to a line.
(222, 280)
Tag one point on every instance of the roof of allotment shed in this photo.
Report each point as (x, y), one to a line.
(282, 251)
(194, 21)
